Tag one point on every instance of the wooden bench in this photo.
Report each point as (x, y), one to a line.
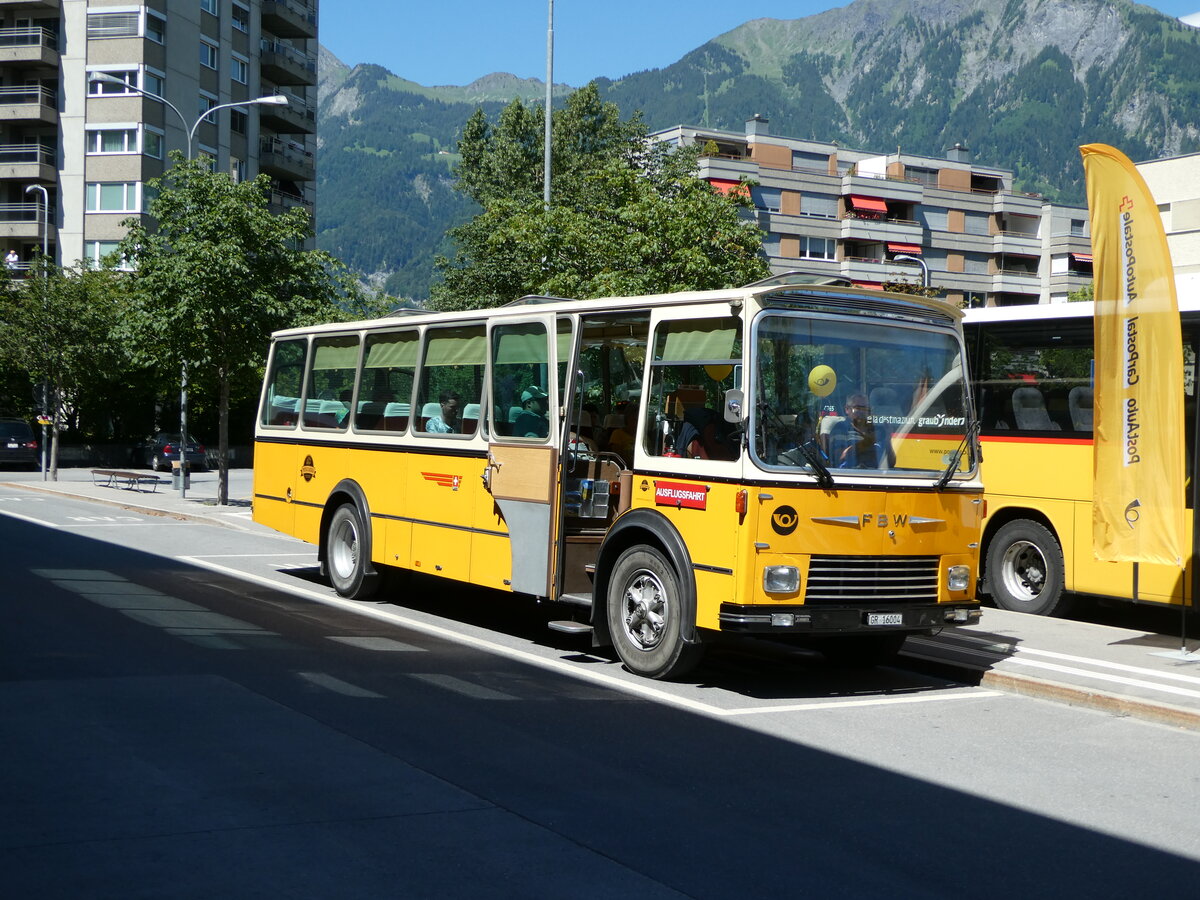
(130, 481)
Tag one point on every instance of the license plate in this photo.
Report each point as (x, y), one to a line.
(885, 618)
(13, 446)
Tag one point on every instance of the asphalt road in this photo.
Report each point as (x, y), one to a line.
(186, 711)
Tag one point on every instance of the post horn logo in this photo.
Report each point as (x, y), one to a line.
(1132, 513)
(308, 471)
(784, 520)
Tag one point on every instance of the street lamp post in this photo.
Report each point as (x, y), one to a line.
(45, 274)
(920, 262)
(190, 131)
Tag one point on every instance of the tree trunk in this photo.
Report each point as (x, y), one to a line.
(223, 439)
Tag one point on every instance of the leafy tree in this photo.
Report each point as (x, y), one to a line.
(214, 274)
(627, 215)
(1085, 293)
(57, 326)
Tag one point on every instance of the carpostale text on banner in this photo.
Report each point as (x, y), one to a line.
(1138, 496)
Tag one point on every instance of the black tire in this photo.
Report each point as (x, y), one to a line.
(645, 606)
(156, 464)
(862, 650)
(1025, 569)
(346, 555)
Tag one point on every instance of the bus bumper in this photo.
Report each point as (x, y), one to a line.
(843, 619)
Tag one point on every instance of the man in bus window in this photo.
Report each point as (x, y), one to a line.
(448, 422)
(532, 422)
(855, 442)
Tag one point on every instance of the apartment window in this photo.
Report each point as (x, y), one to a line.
(152, 82)
(237, 169)
(209, 6)
(156, 27)
(209, 55)
(113, 24)
(1077, 226)
(152, 142)
(96, 251)
(112, 140)
(239, 70)
(817, 248)
(205, 103)
(241, 18)
(237, 121)
(147, 79)
(113, 196)
(208, 157)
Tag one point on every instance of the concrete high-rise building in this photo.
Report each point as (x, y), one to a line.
(870, 217)
(1175, 184)
(74, 130)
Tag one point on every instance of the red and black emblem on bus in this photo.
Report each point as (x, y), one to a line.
(450, 481)
(308, 471)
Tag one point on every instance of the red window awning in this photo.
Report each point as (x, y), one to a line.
(1083, 257)
(867, 284)
(724, 185)
(914, 249)
(868, 204)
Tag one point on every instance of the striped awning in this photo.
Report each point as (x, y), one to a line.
(868, 204)
(1083, 257)
(914, 249)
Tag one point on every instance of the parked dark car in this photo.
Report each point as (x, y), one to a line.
(160, 450)
(18, 447)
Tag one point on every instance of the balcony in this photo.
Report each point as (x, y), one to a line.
(27, 162)
(21, 221)
(289, 18)
(282, 200)
(286, 160)
(284, 64)
(29, 47)
(39, 6)
(25, 103)
(905, 231)
(298, 117)
(1019, 242)
(1016, 281)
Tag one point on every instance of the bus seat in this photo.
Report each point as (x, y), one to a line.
(514, 413)
(1079, 401)
(395, 417)
(470, 418)
(428, 411)
(370, 414)
(1029, 410)
(283, 410)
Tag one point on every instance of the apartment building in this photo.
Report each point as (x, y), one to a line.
(871, 217)
(1175, 184)
(84, 125)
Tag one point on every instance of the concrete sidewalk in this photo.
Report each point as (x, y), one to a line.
(1123, 671)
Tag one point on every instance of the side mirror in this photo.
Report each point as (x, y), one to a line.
(734, 402)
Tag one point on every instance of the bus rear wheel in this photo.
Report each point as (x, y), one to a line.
(645, 616)
(1025, 569)
(346, 555)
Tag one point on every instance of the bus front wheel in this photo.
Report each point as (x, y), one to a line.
(346, 555)
(645, 616)
(1025, 569)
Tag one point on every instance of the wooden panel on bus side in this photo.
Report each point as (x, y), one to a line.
(523, 472)
(441, 502)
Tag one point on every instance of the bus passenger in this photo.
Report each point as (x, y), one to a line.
(533, 421)
(448, 421)
(855, 442)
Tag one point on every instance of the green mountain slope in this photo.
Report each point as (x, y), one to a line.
(1022, 83)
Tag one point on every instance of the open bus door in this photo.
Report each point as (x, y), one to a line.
(522, 463)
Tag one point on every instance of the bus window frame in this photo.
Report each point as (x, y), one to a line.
(419, 378)
(368, 334)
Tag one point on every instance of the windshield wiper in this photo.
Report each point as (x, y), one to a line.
(956, 457)
(815, 458)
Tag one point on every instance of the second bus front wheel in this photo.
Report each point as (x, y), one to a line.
(1025, 569)
(346, 555)
(645, 616)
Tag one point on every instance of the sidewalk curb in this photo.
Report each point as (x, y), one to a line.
(1114, 704)
(184, 515)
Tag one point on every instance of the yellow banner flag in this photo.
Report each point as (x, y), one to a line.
(1138, 500)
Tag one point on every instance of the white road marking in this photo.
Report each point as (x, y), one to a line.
(13, 515)
(378, 644)
(320, 679)
(641, 688)
(465, 688)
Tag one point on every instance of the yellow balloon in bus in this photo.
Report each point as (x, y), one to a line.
(822, 380)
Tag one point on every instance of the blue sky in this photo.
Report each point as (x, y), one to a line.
(457, 41)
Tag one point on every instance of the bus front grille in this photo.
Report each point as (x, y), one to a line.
(871, 579)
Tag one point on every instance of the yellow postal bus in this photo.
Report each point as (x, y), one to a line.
(1032, 368)
(665, 467)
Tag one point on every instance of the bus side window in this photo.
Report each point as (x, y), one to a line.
(451, 377)
(386, 381)
(281, 400)
(330, 389)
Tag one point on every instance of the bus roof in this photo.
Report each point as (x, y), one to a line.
(1034, 312)
(759, 293)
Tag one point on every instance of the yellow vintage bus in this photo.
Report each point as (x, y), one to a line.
(1032, 371)
(665, 467)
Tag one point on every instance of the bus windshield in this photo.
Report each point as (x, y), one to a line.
(858, 397)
